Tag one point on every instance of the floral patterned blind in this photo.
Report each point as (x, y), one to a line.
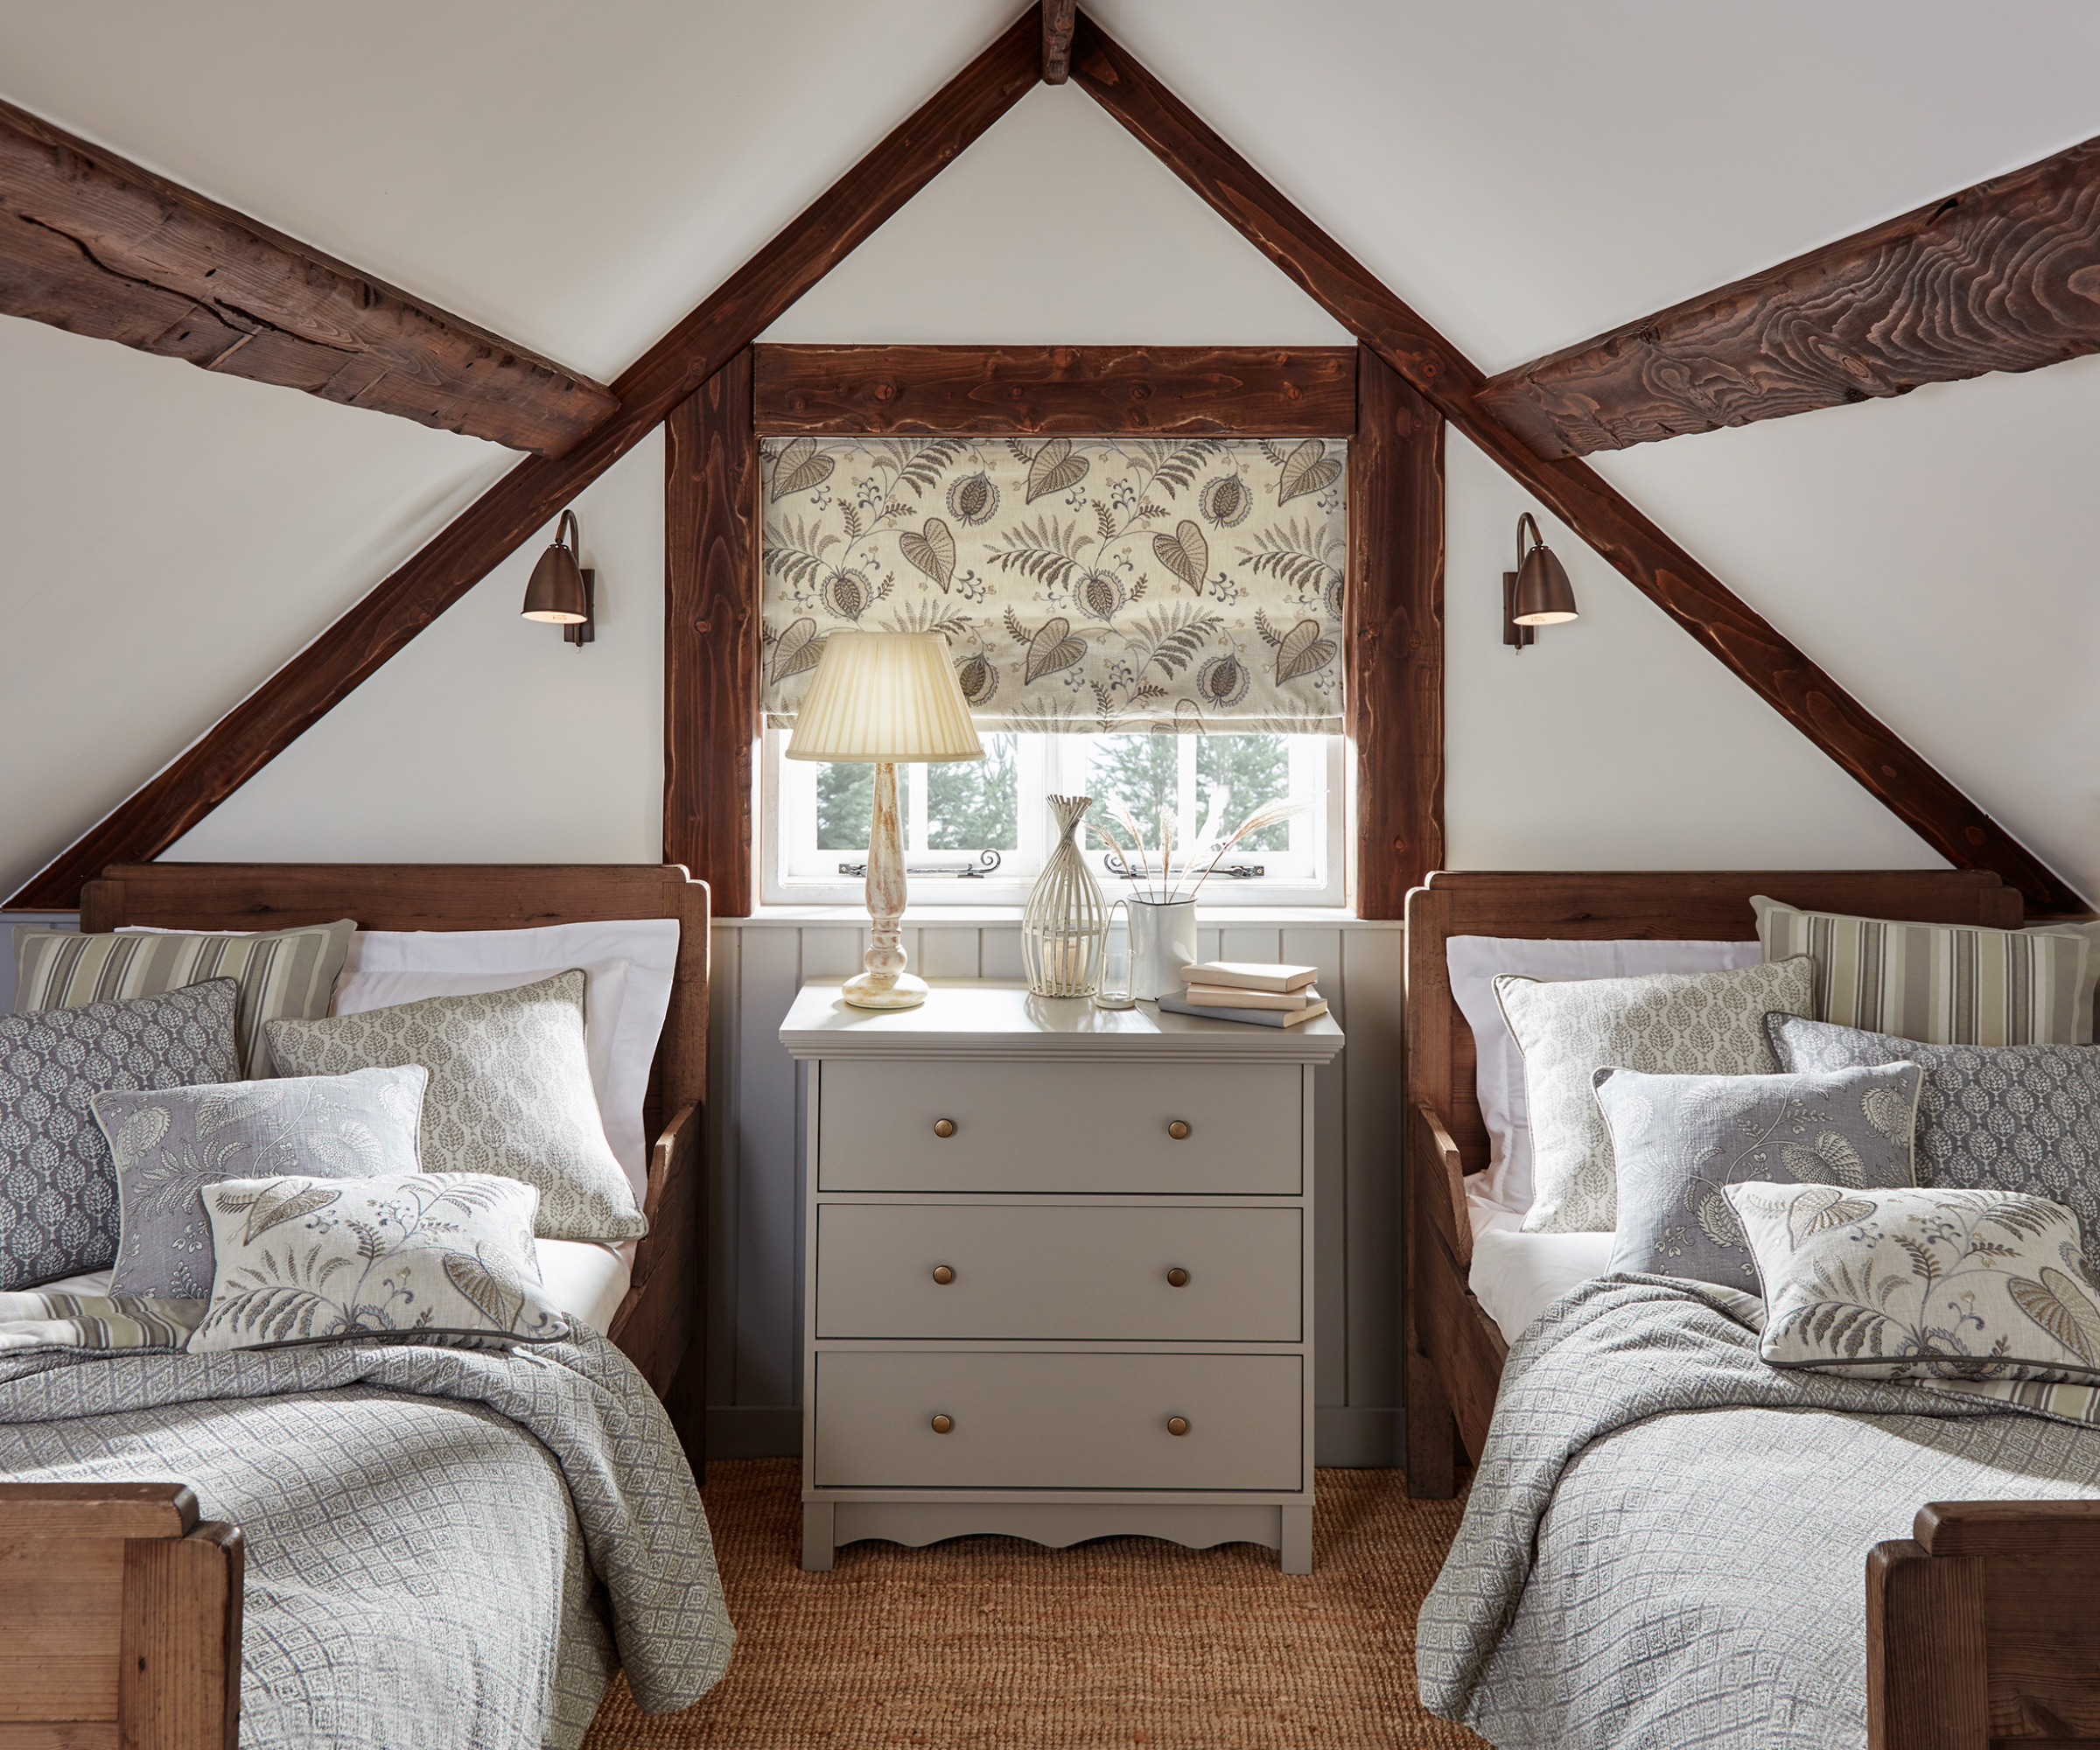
(1084, 584)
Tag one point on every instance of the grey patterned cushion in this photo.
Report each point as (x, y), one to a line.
(1660, 1023)
(170, 1144)
(58, 1190)
(412, 1254)
(510, 1093)
(1676, 1140)
(1922, 1284)
(2006, 1118)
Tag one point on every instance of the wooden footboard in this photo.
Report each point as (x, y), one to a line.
(1983, 1630)
(658, 1325)
(120, 1619)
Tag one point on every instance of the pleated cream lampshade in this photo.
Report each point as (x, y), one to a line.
(879, 696)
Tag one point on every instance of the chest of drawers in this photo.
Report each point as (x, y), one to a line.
(1058, 1272)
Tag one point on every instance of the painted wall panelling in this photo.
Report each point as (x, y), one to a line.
(756, 1151)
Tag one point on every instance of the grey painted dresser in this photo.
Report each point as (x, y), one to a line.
(1059, 1280)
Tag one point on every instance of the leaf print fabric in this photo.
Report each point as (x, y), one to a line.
(169, 1145)
(1087, 585)
(1677, 1141)
(1925, 1285)
(408, 1254)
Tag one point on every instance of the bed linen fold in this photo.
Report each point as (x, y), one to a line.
(416, 1575)
(1665, 1542)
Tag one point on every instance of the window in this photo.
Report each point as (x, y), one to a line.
(977, 832)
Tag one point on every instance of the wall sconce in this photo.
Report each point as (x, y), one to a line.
(561, 591)
(1537, 593)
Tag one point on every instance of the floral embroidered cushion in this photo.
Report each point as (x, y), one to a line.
(1922, 1285)
(301, 1260)
(58, 1189)
(510, 1093)
(170, 1144)
(2009, 1117)
(1659, 1023)
(1677, 1140)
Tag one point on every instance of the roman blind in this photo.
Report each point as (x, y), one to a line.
(1084, 584)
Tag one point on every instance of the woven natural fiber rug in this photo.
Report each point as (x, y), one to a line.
(1127, 1641)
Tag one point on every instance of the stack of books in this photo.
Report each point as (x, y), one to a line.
(1263, 996)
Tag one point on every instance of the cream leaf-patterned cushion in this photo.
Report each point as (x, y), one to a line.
(1922, 1285)
(509, 1092)
(301, 1260)
(1660, 1024)
(170, 1144)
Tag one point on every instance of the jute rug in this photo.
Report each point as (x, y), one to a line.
(1128, 1641)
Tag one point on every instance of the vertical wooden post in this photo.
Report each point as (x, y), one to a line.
(179, 1650)
(1394, 634)
(1927, 1685)
(711, 643)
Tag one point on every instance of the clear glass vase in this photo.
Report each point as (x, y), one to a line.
(1065, 924)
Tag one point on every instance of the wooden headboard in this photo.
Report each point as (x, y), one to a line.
(659, 1324)
(1667, 906)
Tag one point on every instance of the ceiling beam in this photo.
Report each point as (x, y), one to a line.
(523, 501)
(95, 244)
(2002, 276)
(1730, 629)
(1058, 17)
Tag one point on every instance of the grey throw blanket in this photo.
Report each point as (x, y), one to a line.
(414, 1574)
(1666, 1541)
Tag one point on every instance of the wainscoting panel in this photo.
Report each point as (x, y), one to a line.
(755, 1151)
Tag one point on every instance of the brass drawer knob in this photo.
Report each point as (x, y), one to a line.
(943, 1275)
(1177, 1278)
(1179, 1130)
(944, 1127)
(943, 1424)
(1177, 1425)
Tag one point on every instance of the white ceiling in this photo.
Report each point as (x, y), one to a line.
(1526, 172)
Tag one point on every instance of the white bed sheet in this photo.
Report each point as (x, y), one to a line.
(586, 1278)
(1516, 1276)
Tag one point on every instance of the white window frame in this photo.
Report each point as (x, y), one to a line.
(792, 871)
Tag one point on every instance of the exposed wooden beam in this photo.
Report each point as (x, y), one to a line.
(2002, 276)
(93, 244)
(1183, 391)
(300, 695)
(710, 634)
(1395, 637)
(1741, 638)
(1058, 16)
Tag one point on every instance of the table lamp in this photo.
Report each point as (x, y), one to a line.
(876, 698)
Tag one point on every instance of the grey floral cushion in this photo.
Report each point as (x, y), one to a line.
(168, 1146)
(58, 1190)
(1677, 1140)
(1922, 1284)
(414, 1254)
(2005, 1118)
(509, 1094)
(1662, 1023)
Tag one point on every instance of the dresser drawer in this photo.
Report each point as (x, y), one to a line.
(1064, 1272)
(1046, 1420)
(1060, 1127)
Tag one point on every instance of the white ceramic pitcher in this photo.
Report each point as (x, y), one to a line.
(1163, 941)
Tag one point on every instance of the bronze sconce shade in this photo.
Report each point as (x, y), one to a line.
(561, 591)
(1537, 593)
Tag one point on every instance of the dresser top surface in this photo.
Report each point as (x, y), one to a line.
(1000, 1018)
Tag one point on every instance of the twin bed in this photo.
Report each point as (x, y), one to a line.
(1666, 1536)
(362, 1543)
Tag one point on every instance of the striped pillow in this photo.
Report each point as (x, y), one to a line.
(1940, 984)
(282, 974)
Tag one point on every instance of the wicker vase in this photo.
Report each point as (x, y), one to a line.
(1065, 924)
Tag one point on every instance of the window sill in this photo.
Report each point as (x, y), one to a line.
(793, 917)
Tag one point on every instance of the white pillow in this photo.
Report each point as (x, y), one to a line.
(629, 962)
(1475, 962)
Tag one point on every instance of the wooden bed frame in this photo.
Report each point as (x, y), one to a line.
(1982, 1630)
(120, 1614)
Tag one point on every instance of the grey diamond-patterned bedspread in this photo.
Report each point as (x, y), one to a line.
(1666, 1542)
(428, 1528)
